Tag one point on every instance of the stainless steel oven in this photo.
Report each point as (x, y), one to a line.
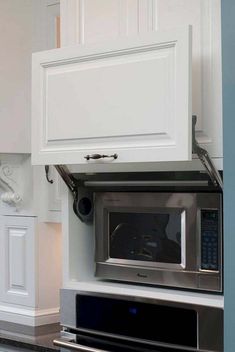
(171, 239)
(95, 322)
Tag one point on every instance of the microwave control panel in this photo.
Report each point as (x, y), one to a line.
(210, 239)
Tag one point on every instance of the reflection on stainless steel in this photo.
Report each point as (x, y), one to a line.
(146, 236)
(209, 323)
(75, 346)
(146, 183)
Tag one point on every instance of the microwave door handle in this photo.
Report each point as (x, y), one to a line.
(75, 346)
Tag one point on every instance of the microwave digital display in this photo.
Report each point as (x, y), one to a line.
(154, 237)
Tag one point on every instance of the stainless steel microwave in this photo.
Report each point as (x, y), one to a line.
(169, 239)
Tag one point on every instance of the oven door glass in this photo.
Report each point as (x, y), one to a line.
(153, 236)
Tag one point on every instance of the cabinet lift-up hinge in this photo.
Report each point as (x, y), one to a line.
(205, 158)
(63, 171)
(82, 197)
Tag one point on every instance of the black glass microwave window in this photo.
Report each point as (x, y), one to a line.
(154, 237)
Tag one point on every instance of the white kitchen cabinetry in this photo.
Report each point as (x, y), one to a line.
(30, 251)
(47, 36)
(30, 270)
(18, 248)
(65, 132)
(52, 24)
(54, 201)
(47, 195)
(92, 21)
(46, 30)
(52, 196)
(20, 36)
(129, 100)
(96, 21)
(15, 73)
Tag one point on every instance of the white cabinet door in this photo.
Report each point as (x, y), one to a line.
(18, 266)
(89, 21)
(130, 98)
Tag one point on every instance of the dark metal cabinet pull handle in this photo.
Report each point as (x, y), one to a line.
(47, 174)
(100, 156)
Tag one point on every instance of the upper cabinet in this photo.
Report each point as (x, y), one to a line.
(128, 101)
(46, 28)
(15, 71)
(133, 104)
(25, 26)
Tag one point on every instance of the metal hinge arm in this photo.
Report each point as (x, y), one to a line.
(205, 158)
(66, 176)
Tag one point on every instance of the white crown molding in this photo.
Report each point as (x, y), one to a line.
(11, 195)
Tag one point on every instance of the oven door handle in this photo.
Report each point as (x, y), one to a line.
(75, 346)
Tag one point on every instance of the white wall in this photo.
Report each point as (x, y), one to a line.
(49, 248)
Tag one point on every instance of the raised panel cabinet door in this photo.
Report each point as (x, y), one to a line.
(89, 21)
(18, 261)
(131, 98)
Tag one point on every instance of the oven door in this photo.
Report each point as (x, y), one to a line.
(81, 343)
(155, 238)
(97, 322)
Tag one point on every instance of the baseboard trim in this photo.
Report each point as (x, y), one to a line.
(29, 316)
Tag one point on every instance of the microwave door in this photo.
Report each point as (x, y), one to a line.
(155, 238)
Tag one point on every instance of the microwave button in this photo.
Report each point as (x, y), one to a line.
(209, 239)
